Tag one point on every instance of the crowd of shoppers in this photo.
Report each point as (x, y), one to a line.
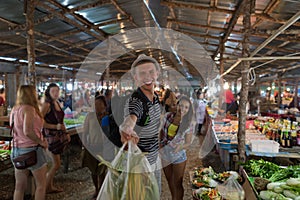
(142, 125)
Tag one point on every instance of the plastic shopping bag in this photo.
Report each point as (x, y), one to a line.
(231, 189)
(129, 177)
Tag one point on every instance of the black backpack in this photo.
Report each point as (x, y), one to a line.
(114, 133)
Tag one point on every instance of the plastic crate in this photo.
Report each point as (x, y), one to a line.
(266, 146)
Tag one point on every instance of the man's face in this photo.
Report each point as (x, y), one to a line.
(146, 75)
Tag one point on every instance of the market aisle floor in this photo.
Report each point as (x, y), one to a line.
(78, 185)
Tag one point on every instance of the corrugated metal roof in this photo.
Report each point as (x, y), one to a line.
(67, 30)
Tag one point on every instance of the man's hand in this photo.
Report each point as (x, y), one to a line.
(126, 130)
(127, 134)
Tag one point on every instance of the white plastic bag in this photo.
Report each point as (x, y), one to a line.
(129, 177)
(231, 189)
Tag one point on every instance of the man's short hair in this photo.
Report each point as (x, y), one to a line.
(142, 59)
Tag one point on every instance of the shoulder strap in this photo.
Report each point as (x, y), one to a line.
(145, 117)
(12, 124)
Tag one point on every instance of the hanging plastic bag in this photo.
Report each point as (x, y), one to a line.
(231, 189)
(129, 177)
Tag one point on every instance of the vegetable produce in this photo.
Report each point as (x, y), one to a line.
(261, 168)
(129, 177)
(206, 194)
(271, 186)
(293, 182)
(290, 194)
(269, 195)
(260, 183)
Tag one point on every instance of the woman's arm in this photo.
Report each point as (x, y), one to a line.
(28, 127)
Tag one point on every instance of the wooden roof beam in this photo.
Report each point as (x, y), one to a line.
(270, 7)
(36, 22)
(12, 50)
(69, 44)
(61, 15)
(79, 18)
(256, 33)
(195, 6)
(64, 34)
(90, 5)
(10, 23)
(278, 48)
(265, 17)
(37, 49)
(128, 16)
(14, 24)
(239, 9)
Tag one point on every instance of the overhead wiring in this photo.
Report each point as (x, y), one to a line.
(251, 73)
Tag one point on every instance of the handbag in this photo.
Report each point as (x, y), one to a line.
(57, 140)
(25, 160)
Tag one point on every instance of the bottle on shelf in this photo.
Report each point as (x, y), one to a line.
(277, 136)
(288, 141)
(294, 138)
(298, 138)
(283, 138)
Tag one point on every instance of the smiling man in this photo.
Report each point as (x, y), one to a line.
(142, 112)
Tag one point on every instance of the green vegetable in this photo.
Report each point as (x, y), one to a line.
(269, 195)
(292, 188)
(129, 177)
(293, 182)
(278, 189)
(280, 175)
(290, 194)
(261, 168)
(271, 186)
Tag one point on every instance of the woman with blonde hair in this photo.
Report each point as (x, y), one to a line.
(27, 136)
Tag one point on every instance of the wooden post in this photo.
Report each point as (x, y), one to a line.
(30, 7)
(245, 85)
(279, 91)
(6, 91)
(18, 77)
(296, 94)
(269, 91)
(221, 97)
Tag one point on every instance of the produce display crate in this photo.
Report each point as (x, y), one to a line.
(248, 187)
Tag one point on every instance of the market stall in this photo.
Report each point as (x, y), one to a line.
(265, 137)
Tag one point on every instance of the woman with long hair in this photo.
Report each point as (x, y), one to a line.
(27, 136)
(53, 116)
(175, 136)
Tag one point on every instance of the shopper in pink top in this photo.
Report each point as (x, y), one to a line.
(27, 136)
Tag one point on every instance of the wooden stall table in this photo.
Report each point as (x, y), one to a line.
(228, 151)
